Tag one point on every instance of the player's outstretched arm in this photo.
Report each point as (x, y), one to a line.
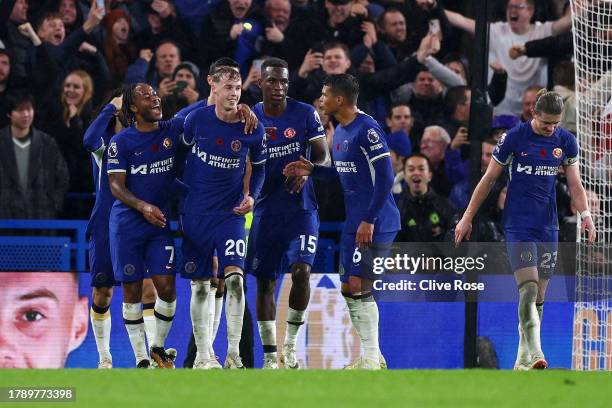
(579, 197)
(464, 227)
(151, 213)
(319, 155)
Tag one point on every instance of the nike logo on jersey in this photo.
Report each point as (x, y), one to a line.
(523, 154)
(138, 153)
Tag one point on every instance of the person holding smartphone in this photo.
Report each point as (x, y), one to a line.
(184, 85)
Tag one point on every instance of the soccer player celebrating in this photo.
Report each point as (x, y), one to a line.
(140, 171)
(533, 152)
(213, 213)
(285, 220)
(96, 139)
(363, 164)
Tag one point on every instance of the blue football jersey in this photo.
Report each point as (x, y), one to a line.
(188, 109)
(216, 163)
(355, 147)
(147, 158)
(533, 163)
(288, 136)
(96, 139)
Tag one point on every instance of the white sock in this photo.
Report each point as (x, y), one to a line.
(198, 308)
(211, 318)
(148, 316)
(164, 314)
(295, 320)
(101, 324)
(218, 311)
(528, 318)
(132, 317)
(234, 312)
(267, 333)
(365, 319)
(522, 354)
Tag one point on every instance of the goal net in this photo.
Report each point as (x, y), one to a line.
(592, 33)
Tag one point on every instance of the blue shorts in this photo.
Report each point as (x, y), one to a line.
(100, 263)
(293, 236)
(533, 248)
(356, 262)
(138, 256)
(205, 234)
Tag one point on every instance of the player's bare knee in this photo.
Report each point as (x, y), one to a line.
(355, 285)
(220, 285)
(265, 287)
(102, 296)
(300, 274)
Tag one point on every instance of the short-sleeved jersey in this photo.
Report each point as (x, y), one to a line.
(355, 148)
(147, 159)
(533, 163)
(216, 162)
(288, 137)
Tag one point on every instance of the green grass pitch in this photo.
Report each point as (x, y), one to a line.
(317, 389)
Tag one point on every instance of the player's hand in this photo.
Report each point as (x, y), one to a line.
(154, 215)
(117, 102)
(245, 206)
(461, 138)
(463, 230)
(517, 51)
(166, 87)
(295, 184)
(248, 118)
(587, 225)
(365, 233)
(302, 167)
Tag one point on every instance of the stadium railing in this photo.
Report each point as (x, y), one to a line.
(67, 248)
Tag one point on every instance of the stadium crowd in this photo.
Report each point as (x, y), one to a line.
(61, 59)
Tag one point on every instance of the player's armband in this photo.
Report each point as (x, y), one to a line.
(570, 161)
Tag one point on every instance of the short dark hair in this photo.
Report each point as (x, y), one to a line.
(49, 15)
(337, 44)
(396, 105)
(550, 103)
(420, 156)
(563, 74)
(455, 96)
(274, 63)
(168, 41)
(4, 51)
(18, 98)
(344, 85)
(490, 141)
(222, 62)
(383, 16)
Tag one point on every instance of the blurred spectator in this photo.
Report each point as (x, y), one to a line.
(55, 55)
(8, 83)
(564, 84)
(66, 121)
(71, 12)
(425, 215)
(516, 30)
(399, 123)
(457, 109)
(159, 74)
(184, 89)
(501, 124)
(393, 26)
(343, 21)
(33, 173)
(433, 145)
(425, 98)
(13, 15)
(285, 32)
(231, 30)
(530, 96)
(119, 49)
(164, 23)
